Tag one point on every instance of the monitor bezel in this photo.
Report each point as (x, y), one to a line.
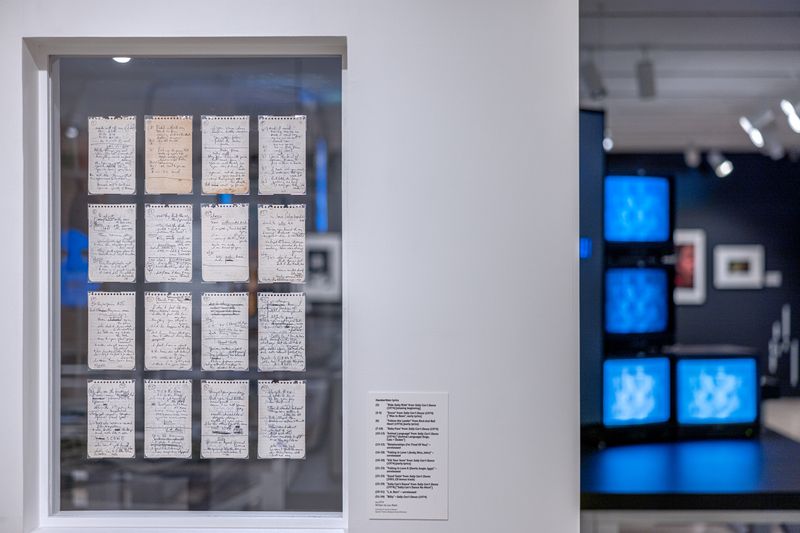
(717, 429)
(650, 342)
(654, 431)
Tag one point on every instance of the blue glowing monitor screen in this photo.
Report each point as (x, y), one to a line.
(635, 391)
(717, 391)
(637, 209)
(637, 300)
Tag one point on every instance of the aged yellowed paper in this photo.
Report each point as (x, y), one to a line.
(168, 155)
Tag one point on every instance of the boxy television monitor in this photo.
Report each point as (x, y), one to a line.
(638, 212)
(637, 301)
(636, 391)
(636, 399)
(717, 396)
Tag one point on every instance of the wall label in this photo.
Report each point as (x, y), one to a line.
(408, 459)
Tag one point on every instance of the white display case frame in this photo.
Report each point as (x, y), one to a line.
(41, 408)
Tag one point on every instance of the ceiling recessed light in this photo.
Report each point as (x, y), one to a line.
(122, 59)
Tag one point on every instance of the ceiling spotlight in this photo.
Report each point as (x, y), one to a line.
(646, 78)
(790, 110)
(774, 149)
(121, 59)
(794, 123)
(722, 166)
(71, 132)
(692, 157)
(763, 132)
(754, 133)
(608, 141)
(591, 78)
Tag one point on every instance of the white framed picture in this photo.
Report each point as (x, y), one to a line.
(690, 267)
(739, 266)
(323, 267)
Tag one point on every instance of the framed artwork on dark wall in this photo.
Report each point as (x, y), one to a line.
(690, 267)
(739, 266)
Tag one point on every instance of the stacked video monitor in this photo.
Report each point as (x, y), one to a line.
(638, 312)
(638, 225)
(716, 392)
(710, 393)
(652, 390)
(636, 391)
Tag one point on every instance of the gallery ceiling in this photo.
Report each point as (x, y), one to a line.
(714, 61)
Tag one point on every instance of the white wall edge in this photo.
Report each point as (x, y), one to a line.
(43, 47)
(346, 406)
(181, 530)
(42, 433)
(642, 518)
(178, 521)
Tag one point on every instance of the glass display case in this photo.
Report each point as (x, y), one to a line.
(85, 89)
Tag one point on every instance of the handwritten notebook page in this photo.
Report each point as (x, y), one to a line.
(112, 155)
(168, 243)
(281, 154)
(167, 331)
(167, 418)
(226, 154)
(168, 154)
(112, 243)
(281, 243)
(112, 330)
(110, 418)
(281, 331)
(225, 253)
(224, 331)
(224, 432)
(281, 419)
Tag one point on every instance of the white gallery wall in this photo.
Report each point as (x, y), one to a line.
(461, 223)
